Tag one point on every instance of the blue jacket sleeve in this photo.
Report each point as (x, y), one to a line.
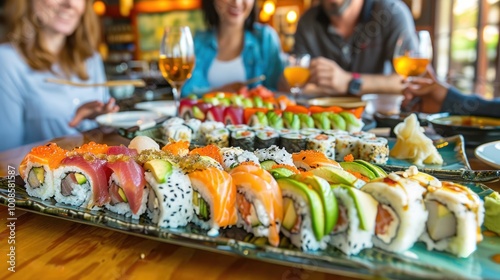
(459, 104)
(11, 108)
(272, 49)
(198, 83)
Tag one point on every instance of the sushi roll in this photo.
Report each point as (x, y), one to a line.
(456, 214)
(232, 157)
(244, 139)
(374, 150)
(207, 127)
(170, 194)
(172, 122)
(401, 213)
(82, 181)
(237, 127)
(309, 159)
(345, 145)
(304, 214)
(178, 132)
(272, 156)
(310, 131)
(37, 169)
(127, 186)
(356, 220)
(259, 202)
(265, 138)
(194, 125)
(293, 142)
(335, 132)
(323, 143)
(218, 137)
(214, 200)
(363, 134)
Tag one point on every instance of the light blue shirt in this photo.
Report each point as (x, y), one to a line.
(33, 110)
(261, 56)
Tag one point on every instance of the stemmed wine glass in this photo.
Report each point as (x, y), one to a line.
(176, 58)
(297, 72)
(409, 60)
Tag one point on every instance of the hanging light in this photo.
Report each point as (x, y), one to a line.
(99, 8)
(269, 7)
(125, 7)
(291, 16)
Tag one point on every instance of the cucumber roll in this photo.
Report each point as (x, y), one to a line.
(273, 155)
(293, 142)
(232, 157)
(244, 139)
(455, 217)
(179, 132)
(266, 138)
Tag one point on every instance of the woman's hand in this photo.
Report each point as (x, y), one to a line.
(326, 73)
(93, 109)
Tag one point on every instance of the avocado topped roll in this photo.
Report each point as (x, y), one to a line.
(456, 214)
(401, 213)
(170, 196)
(356, 220)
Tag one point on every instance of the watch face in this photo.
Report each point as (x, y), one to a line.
(355, 86)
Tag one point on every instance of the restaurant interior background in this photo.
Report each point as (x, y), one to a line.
(465, 36)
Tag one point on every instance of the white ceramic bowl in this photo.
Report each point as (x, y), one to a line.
(387, 104)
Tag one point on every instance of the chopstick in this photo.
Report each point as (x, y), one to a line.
(116, 83)
(254, 80)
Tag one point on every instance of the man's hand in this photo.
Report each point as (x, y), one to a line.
(431, 92)
(93, 109)
(326, 73)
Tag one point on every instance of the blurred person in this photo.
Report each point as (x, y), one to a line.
(352, 43)
(49, 39)
(234, 49)
(434, 96)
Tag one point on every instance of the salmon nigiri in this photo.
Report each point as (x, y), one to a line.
(214, 199)
(259, 201)
(309, 159)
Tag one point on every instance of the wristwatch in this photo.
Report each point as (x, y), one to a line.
(355, 84)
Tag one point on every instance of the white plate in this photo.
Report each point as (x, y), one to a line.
(164, 107)
(127, 119)
(489, 153)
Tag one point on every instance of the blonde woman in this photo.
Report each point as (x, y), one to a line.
(49, 39)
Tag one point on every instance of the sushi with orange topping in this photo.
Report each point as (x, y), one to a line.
(37, 169)
(259, 202)
(214, 199)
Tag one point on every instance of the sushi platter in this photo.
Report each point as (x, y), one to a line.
(272, 188)
(416, 263)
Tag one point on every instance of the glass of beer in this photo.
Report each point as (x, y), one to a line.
(297, 72)
(176, 58)
(412, 58)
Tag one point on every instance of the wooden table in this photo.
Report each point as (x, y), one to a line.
(51, 248)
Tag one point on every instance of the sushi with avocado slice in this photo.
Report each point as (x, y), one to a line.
(337, 122)
(353, 124)
(321, 120)
(306, 121)
(356, 220)
(303, 215)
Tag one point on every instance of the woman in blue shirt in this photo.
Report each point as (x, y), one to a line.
(49, 39)
(234, 49)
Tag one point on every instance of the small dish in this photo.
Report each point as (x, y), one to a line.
(489, 153)
(163, 107)
(127, 119)
(475, 130)
(344, 102)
